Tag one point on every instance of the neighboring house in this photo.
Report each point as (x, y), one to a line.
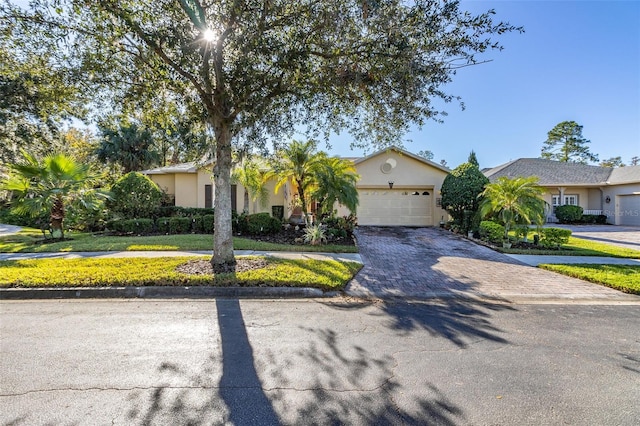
(191, 185)
(396, 188)
(614, 192)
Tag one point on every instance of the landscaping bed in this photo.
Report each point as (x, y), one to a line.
(254, 271)
(291, 236)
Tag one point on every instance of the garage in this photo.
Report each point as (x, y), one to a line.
(628, 210)
(395, 207)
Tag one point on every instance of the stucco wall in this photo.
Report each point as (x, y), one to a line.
(165, 183)
(187, 195)
(610, 209)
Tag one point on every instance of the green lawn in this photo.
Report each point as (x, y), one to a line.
(322, 274)
(582, 247)
(625, 278)
(28, 241)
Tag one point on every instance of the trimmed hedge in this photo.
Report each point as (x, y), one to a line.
(554, 237)
(174, 225)
(568, 214)
(258, 224)
(131, 226)
(593, 218)
(171, 211)
(491, 231)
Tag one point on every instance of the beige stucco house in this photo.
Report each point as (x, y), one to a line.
(614, 192)
(396, 188)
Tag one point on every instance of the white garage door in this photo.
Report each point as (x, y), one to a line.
(395, 207)
(628, 210)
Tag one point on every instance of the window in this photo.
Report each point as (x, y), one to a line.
(571, 200)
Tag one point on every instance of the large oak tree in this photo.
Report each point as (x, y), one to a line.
(257, 69)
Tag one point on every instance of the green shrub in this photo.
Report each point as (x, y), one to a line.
(491, 231)
(593, 218)
(262, 223)
(131, 226)
(521, 232)
(554, 237)
(134, 196)
(162, 224)
(207, 223)
(180, 225)
(568, 214)
(171, 211)
(340, 226)
(197, 225)
(460, 190)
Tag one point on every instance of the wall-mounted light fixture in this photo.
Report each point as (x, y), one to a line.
(390, 184)
(607, 200)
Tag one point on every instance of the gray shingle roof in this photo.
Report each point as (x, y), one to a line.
(628, 174)
(552, 172)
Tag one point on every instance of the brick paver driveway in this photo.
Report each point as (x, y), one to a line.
(431, 262)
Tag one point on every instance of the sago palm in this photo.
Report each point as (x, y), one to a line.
(48, 185)
(513, 200)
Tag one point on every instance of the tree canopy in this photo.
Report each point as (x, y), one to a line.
(254, 70)
(565, 143)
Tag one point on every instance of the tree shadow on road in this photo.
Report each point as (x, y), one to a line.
(324, 377)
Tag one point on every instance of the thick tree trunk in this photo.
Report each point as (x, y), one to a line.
(223, 259)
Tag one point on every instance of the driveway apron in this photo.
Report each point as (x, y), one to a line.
(432, 262)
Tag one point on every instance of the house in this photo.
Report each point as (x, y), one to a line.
(396, 188)
(614, 192)
(191, 185)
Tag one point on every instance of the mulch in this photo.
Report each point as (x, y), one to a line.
(293, 236)
(203, 267)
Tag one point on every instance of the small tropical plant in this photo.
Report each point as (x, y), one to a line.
(48, 186)
(315, 235)
(517, 200)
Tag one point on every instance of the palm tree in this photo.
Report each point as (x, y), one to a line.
(513, 200)
(253, 179)
(299, 163)
(336, 180)
(49, 185)
(129, 146)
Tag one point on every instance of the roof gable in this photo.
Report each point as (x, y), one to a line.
(405, 153)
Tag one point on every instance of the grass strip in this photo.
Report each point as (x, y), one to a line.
(581, 247)
(322, 274)
(625, 278)
(29, 241)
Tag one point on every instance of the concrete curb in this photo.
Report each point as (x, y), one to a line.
(162, 292)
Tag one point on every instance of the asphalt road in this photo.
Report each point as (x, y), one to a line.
(225, 361)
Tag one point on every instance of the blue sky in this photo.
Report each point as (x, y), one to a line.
(577, 60)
